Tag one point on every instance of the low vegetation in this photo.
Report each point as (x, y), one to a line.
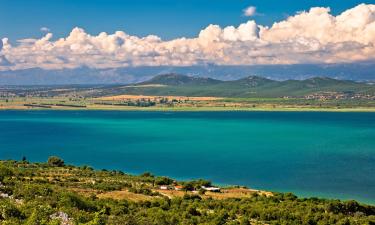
(56, 193)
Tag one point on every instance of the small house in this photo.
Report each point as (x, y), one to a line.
(178, 188)
(212, 189)
(164, 187)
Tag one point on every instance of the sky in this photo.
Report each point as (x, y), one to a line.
(165, 18)
(69, 33)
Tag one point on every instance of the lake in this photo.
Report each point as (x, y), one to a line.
(324, 154)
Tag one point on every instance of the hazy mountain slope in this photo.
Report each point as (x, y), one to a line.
(360, 71)
(174, 84)
(179, 80)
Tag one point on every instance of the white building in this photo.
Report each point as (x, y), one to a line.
(212, 189)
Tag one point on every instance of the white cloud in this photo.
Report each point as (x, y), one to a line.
(249, 11)
(4, 61)
(314, 36)
(4, 44)
(44, 29)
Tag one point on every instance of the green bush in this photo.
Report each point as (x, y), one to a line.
(9, 210)
(5, 172)
(55, 161)
(163, 181)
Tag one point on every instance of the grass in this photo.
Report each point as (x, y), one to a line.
(225, 104)
(124, 194)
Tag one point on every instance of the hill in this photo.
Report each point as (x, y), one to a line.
(179, 80)
(55, 193)
(252, 86)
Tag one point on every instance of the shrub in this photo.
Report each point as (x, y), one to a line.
(9, 210)
(163, 181)
(5, 172)
(55, 161)
(147, 174)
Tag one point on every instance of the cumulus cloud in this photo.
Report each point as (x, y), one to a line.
(4, 61)
(249, 11)
(313, 36)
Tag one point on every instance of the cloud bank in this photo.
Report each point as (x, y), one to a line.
(314, 36)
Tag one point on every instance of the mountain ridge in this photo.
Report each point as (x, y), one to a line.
(180, 79)
(251, 86)
(361, 71)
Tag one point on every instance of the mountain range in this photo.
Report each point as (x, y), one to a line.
(362, 71)
(251, 86)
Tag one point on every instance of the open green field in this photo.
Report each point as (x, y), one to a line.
(224, 104)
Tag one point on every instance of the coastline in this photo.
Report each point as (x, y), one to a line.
(191, 109)
(227, 190)
(186, 109)
(62, 194)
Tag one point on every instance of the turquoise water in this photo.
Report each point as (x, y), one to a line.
(309, 153)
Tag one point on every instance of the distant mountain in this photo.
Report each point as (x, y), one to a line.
(317, 82)
(252, 86)
(178, 79)
(252, 81)
(362, 71)
(82, 75)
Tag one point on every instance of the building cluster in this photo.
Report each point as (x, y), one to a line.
(338, 96)
(5, 94)
(180, 188)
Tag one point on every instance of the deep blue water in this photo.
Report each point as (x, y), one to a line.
(321, 154)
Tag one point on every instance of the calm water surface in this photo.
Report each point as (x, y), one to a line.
(308, 153)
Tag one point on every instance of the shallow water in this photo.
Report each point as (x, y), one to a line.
(323, 154)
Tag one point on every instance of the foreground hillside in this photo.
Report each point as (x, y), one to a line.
(249, 87)
(53, 193)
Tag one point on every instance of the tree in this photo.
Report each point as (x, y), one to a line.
(9, 210)
(147, 174)
(40, 215)
(245, 221)
(5, 172)
(98, 219)
(202, 191)
(163, 181)
(55, 161)
(189, 186)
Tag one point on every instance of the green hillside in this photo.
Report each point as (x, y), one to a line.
(252, 86)
(180, 80)
(54, 193)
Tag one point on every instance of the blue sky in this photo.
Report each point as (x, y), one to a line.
(166, 18)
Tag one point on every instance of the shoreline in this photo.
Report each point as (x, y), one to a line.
(191, 109)
(83, 194)
(223, 186)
